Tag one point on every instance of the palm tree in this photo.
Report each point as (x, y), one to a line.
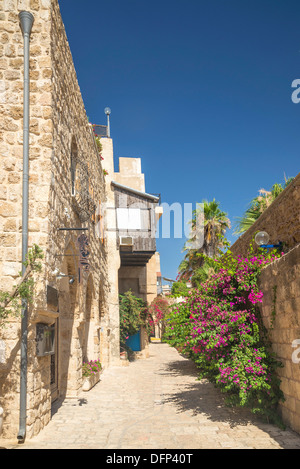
(215, 224)
(258, 205)
(189, 264)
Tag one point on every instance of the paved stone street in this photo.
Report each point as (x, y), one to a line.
(156, 403)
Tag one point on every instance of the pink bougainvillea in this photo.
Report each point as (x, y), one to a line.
(220, 328)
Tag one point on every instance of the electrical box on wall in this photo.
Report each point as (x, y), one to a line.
(45, 339)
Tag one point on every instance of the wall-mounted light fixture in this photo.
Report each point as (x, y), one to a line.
(59, 275)
(262, 239)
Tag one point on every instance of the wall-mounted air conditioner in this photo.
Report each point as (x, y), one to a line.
(126, 241)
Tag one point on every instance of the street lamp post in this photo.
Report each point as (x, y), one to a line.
(262, 239)
(107, 111)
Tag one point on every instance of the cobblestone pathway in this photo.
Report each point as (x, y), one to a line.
(156, 403)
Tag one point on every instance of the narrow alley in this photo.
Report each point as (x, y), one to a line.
(156, 403)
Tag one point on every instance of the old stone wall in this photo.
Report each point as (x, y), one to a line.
(11, 131)
(59, 137)
(73, 137)
(280, 284)
(11, 149)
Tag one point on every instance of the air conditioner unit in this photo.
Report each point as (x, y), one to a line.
(126, 241)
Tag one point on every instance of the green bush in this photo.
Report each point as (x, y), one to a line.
(133, 315)
(179, 289)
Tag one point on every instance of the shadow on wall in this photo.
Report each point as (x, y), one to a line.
(68, 310)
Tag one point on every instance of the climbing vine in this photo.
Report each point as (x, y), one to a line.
(99, 146)
(11, 302)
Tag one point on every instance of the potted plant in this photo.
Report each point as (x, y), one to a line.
(91, 374)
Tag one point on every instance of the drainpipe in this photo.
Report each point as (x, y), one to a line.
(26, 22)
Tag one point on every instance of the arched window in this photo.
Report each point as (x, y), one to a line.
(74, 156)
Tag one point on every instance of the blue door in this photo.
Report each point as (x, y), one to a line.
(134, 342)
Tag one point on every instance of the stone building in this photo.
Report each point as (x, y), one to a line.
(66, 192)
(132, 214)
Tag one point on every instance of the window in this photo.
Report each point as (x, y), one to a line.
(73, 167)
(129, 218)
(73, 176)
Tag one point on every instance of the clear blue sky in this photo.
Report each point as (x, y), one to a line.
(199, 90)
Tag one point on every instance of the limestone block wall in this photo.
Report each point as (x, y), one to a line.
(112, 253)
(58, 125)
(11, 131)
(280, 283)
(130, 173)
(71, 132)
(11, 157)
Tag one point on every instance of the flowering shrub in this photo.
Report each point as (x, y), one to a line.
(220, 328)
(91, 368)
(11, 302)
(133, 315)
(158, 311)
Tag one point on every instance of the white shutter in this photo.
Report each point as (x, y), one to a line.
(129, 218)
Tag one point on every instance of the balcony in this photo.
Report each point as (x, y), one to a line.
(136, 225)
